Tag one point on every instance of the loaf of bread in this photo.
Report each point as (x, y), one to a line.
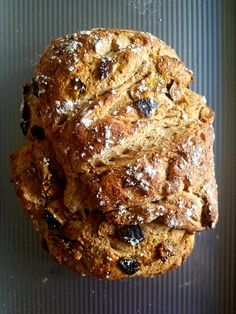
(88, 242)
(118, 173)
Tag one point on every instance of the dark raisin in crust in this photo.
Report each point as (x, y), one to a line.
(168, 87)
(146, 106)
(35, 87)
(52, 222)
(132, 234)
(128, 266)
(105, 68)
(37, 132)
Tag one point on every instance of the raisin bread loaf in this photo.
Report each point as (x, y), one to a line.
(117, 138)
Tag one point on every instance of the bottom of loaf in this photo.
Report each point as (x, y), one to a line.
(87, 242)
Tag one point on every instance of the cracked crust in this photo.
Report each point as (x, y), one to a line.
(89, 243)
(116, 137)
(130, 164)
(75, 122)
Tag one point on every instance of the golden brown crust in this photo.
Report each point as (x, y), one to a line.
(96, 129)
(88, 243)
(179, 128)
(114, 128)
(70, 116)
(164, 179)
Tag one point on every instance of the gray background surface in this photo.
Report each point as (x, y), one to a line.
(203, 34)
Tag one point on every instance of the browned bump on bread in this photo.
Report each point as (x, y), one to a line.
(88, 242)
(133, 189)
(104, 102)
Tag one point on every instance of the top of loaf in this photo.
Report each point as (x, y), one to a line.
(88, 84)
(131, 136)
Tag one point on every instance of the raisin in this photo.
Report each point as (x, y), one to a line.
(25, 117)
(146, 106)
(37, 132)
(132, 234)
(78, 85)
(26, 89)
(105, 67)
(168, 85)
(128, 266)
(52, 222)
(35, 87)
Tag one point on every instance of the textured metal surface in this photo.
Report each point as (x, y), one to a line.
(203, 34)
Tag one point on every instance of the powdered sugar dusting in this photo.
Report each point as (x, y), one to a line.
(160, 210)
(189, 213)
(42, 83)
(99, 197)
(108, 140)
(129, 109)
(64, 107)
(144, 184)
(71, 46)
(98, 45)
(107, 131)
(46, 161)
(86, 122)
(136, 177)
(134, 48)
(150, 171)
(84, 32)
(71, 68)
(172, 223)
(142, 87)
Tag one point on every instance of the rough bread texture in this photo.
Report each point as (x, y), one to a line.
(118, 137)
(88, 243)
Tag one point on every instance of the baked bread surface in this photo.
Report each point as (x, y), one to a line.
(128, 142)
(89, 243)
